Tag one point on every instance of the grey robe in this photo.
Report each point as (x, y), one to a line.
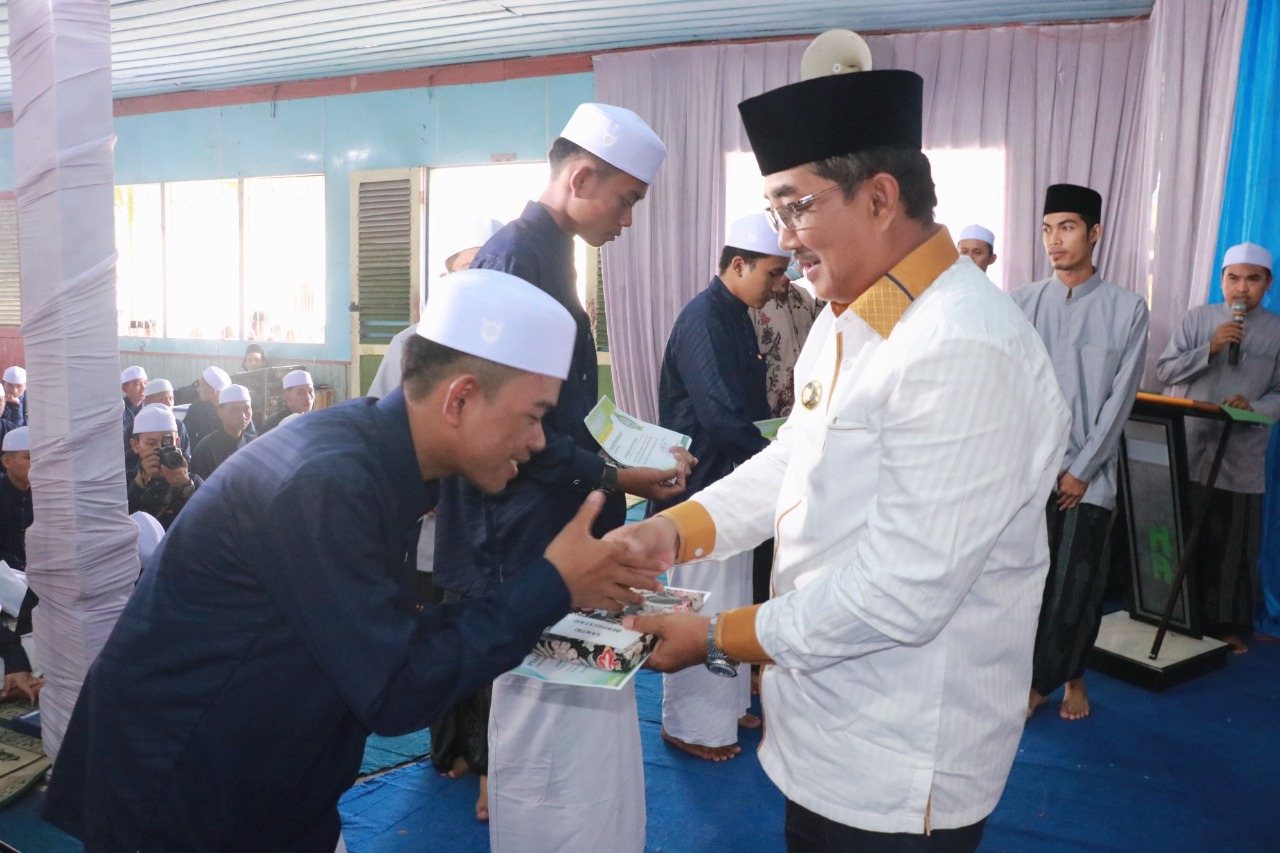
(1186, 361)
(1096, 335)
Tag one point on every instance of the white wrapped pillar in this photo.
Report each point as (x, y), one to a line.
(81, 550)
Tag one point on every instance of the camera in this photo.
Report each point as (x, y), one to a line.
(170, 456)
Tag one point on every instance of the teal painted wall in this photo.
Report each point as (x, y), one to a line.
(337, 135)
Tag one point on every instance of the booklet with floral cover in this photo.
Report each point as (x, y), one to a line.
(591, 648)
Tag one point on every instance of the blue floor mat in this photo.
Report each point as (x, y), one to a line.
(1189, 770)
(383, 752)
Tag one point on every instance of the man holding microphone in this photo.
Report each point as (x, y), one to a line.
(1245, 376)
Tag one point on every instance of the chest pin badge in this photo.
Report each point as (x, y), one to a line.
(811, 394)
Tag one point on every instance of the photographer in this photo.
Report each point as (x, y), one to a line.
(161, 485)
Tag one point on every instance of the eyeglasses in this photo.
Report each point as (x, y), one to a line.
(788, 215)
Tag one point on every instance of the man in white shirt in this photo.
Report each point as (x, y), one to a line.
(907, 491)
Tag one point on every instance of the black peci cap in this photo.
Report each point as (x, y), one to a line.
(829, 116)
(1071, 198)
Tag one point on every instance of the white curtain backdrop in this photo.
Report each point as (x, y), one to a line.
(1061, 101)
(1188, 113)
(1123, 107)
(690, 98)
(82, 557)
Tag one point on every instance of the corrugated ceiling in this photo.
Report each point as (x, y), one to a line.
(163, 46)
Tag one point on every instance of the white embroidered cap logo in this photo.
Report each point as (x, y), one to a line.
(490, 330)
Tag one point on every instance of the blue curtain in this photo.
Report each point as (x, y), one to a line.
(1251, 211)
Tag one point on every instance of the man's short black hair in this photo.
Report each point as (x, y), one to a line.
(908, 166)
(562, 151)
(728, 253)
(427, 364)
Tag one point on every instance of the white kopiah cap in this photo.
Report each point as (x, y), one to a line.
(469, 233)
(501, 318)
(216, 377)
(1247, 253)
(234, 394)
(294, 378)
(154, 418)
(15, 375)
(157, 386)
(129, 374)
(977, 232)
(754, 234)
(16, 439)
(150, 532)
(619, 137)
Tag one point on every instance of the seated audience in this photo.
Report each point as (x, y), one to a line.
(161, 485)
(15, 518)
(299, 398)
(161, 391)
(15, 497)
(133, 384)
(235, 412)
(254, 357)
(202, 415)
(17, 666)
(15, 399)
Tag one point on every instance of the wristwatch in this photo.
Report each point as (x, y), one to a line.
(609, 478)
(717, 661)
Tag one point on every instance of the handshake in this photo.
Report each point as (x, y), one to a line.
(605, 574)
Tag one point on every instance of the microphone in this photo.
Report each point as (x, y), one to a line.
(1238, 309)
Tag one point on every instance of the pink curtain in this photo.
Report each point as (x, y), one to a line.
(1140, 110)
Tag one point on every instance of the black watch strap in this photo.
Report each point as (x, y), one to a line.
(609, 478)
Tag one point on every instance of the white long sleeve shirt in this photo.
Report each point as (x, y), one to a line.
(908, 506)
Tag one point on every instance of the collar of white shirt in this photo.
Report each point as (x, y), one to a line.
(884, 303)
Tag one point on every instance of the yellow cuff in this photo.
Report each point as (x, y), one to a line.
(697, 530)
(736, 635)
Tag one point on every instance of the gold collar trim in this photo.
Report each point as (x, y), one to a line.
(882, 305)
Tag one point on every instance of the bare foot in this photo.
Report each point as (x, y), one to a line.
(748, 721)
(1034, 702)
(482, 804)
(1238, 645)
(459, 769)
(1075, 701)
(706, 753)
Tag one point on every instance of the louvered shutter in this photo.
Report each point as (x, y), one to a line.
(10, 290)
(386, 259)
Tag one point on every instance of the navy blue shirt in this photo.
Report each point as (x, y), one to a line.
(201, 420)
(482, 539)
(270, 633)
(15, 414)
(713, 385)
(215, 449)
(15, 518)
